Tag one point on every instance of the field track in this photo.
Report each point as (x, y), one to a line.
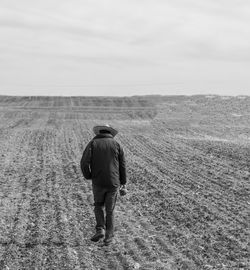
(188, 205)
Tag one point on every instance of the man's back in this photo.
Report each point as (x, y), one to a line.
(105, 158)
(105, 161)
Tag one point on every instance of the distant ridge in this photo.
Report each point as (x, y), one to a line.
(137, 101)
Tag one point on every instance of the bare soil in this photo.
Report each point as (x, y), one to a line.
(188, 163)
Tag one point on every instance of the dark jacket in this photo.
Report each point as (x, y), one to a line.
(103, 161)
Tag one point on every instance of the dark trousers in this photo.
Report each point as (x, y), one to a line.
(105, 200)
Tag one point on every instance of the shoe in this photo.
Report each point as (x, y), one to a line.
(98, 235)
(108, 240)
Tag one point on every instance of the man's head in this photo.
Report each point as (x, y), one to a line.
(105, 129)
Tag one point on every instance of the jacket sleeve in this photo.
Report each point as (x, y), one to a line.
(86, 161)
(122, 167)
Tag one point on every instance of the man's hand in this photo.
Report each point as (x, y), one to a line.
(123, 190)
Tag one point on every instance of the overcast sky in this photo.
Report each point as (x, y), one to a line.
(124, 47)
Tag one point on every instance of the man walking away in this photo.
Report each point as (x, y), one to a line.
(103, 161)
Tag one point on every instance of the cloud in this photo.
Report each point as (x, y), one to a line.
(146, 38)
(53, 28)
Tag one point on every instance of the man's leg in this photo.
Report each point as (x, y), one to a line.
(99, 198)
(110, 201)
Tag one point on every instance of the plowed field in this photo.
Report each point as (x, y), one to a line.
(188, 163)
